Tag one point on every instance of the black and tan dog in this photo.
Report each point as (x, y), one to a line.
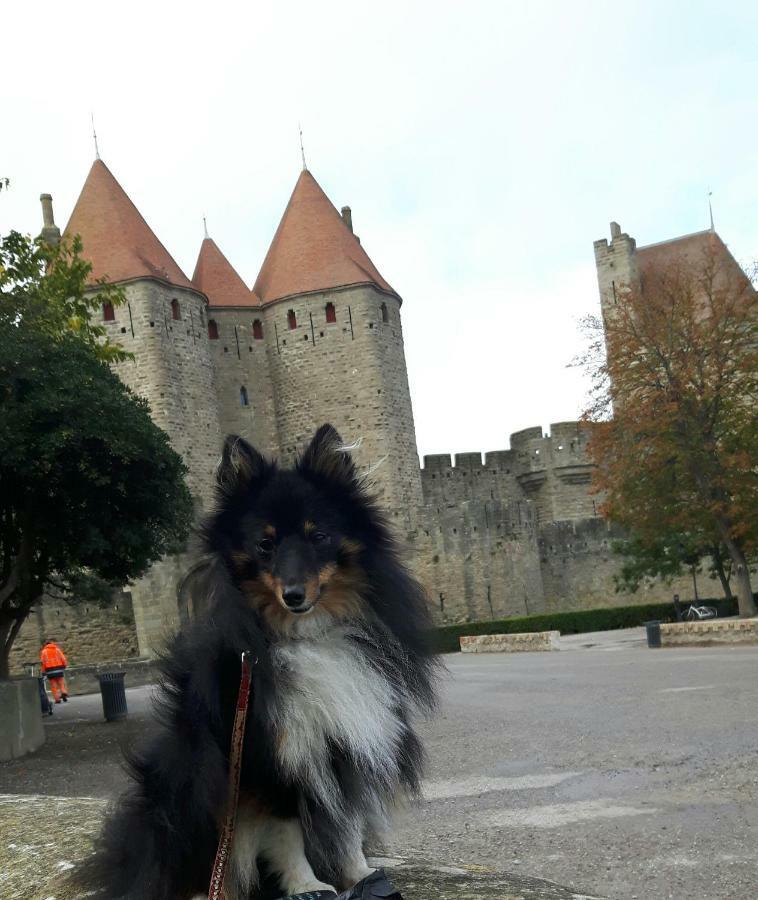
(307, 576)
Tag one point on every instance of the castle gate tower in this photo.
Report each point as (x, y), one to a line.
(164, 324)
(237, 342)
(332, 332)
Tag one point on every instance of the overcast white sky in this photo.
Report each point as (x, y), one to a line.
(483, 146)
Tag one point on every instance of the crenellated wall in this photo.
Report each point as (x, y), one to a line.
(551, 470)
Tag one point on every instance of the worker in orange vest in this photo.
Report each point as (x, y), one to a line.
(54, 664)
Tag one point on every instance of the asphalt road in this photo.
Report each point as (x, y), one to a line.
(614, 769)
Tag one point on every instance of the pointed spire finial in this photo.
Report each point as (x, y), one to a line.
(302, 149)
(94, 135)
(205, 227)
(710, 209)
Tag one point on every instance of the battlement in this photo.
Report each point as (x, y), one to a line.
(550, 469)
(528, 447)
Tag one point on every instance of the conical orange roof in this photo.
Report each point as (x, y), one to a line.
(313, 249)
(116, 239)
(215, 276)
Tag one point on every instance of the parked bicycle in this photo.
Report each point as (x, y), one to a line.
(698, 613)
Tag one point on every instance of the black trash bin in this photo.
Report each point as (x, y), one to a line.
(114, 695)
(653, 634)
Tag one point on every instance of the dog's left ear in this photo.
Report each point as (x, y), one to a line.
(327, 456)
(241, 464)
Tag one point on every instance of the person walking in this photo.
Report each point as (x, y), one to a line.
(54, 664)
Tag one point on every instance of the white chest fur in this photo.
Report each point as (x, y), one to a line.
(327, 691)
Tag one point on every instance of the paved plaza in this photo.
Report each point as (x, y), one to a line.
(607, 767)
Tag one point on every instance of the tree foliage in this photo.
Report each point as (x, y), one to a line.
(675, 437)
(91, 491)
(47, 288)
(667, 558)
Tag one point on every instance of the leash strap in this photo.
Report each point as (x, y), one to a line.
(235, 765)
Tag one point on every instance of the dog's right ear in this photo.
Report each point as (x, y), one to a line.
(241, 464)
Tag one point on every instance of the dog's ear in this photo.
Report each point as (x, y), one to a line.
(327, 456)
(241, 464)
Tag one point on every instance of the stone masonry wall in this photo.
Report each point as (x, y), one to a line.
(351, 373)
(173, 370)
(479, 560)
(87, 633)
(240, 361)
(617, 268)
(551, 470)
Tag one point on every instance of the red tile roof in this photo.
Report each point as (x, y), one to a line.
(313, 249)
(692, 251)
(116, 239)
(215, 276)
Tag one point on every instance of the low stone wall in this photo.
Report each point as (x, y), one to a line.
(83, 679)
(21, 729)
(510, 643)
(709, 632)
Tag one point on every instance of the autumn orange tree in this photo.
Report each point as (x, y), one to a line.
(674, 367)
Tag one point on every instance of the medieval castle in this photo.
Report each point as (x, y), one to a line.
(319, 338)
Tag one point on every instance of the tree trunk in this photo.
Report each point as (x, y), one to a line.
(745, 599)
(718, 566)
(8, 635)
(4, 661)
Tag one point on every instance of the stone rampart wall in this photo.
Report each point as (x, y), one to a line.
(551, 470)
(479, 561)
(88, 633)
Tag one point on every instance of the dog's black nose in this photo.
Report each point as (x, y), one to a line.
(294, 595)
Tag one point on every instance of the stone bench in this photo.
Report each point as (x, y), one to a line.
(709, 632)
(510, 643)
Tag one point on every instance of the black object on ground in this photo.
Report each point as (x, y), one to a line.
(374, 887)
(113, 692)
(653, 634)
(44, 700)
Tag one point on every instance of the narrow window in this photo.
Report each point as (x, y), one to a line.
(212, 330)
(291, 319)
(243, 396)
(331, 313)
(258, 330)
(109, 313)
(176, 313)
(385, 313)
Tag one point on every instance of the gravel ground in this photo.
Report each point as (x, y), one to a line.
(613, 769)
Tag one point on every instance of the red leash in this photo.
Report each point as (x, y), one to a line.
(235, 765)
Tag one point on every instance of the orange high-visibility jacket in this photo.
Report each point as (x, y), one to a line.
(52, 657)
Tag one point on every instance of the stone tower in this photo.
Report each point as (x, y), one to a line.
(318, 339)
(164, 324)
(617, 268)
(237, 345)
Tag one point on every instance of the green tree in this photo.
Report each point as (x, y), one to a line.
(47, 288)
(666, 558)
(91, 492)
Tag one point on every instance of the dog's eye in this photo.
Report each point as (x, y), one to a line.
(265, 546)
(320, 537)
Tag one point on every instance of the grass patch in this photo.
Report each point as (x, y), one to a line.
(445, 638)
